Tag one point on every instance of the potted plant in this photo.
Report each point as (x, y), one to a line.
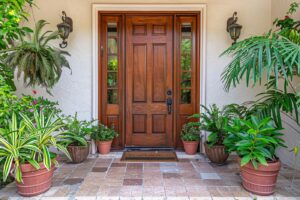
(255, 142)
(25, 149)
(80, 131)
(104, 136)
(214, 121)
(190, 136)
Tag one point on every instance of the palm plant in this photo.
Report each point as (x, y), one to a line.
(274, 57)
(40, 63)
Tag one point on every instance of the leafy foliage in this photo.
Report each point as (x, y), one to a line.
(11, 14)
(254, 140)
(272, 57)
(27, 141)
(215, 120)
(79, 130)
(40, 63)
(191, 130)
(104, 133)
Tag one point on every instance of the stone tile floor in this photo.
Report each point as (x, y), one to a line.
(192, 178)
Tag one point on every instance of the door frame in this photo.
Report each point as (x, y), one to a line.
(96, 8)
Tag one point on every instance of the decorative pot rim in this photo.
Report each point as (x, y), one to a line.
(191, 141)
(27, 167)
(78, 146)
(106, 141)
(216, 145)
(272, 165)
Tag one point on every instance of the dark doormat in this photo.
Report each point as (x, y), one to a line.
(149, 156)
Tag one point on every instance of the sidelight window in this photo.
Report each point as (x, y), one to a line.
(186, 46)
(112, 63)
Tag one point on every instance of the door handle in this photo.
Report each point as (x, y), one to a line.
(169, 104)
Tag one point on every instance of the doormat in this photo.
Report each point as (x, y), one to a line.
(149, 156)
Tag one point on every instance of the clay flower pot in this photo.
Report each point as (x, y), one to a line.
(104, 146)
(78, 153)
(216, 154)
(260, 181)
(190, 147)
(35, 181)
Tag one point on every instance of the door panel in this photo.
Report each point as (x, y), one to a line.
(149, 75)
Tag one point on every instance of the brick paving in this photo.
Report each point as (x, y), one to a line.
(192, 178)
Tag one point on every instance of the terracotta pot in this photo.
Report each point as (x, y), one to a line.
(216, 154)
(35, 181)
(104, 146)
(261, 181)
(190, 147)
(78, 153)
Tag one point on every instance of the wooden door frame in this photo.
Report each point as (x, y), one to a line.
(181, 9)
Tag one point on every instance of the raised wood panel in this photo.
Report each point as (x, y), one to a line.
(139, 123)
(159, 124)
(159, 29)
(139, 72)
(159, 71)
(139, 29)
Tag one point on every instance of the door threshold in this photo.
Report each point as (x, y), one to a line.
(148, 149)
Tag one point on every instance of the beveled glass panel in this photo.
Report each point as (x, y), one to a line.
(185, 96)
(112, 79)
(186, 30)
(112, 30)
(112, 96)
(112, 63)
(186, 78)
(112, 44)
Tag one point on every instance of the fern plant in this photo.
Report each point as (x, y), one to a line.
(39, 63)
(274, 57)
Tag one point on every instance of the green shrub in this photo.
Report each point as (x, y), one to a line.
(103, 133)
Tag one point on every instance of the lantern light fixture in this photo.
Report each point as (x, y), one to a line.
(65, 28)
(233, 28)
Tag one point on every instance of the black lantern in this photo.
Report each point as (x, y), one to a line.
(233, 28)
(65, 28)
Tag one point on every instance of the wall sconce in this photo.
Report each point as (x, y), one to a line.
(65, 28)
(233, 28)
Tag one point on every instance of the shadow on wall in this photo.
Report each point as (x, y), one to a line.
(292, 138)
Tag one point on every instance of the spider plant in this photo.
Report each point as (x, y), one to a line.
(38, 62)
(273, 57)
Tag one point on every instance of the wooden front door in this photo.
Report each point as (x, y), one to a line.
(148, 76)
(149, 80)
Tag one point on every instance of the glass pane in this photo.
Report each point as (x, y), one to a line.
(186, 49)
(112, 44)
(112, 96)
(112, 29)
(186, 29)
(112, 63)
(185, 96)
(112, 79)
(186, 78)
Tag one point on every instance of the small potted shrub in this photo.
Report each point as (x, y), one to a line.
(79, 144)
(255, 142)
(25, 148)
(190, 136)
(214, 121)
(104, 136)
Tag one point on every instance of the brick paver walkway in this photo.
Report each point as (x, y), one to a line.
(193, 177)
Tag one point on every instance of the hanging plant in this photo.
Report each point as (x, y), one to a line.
(38, 62)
